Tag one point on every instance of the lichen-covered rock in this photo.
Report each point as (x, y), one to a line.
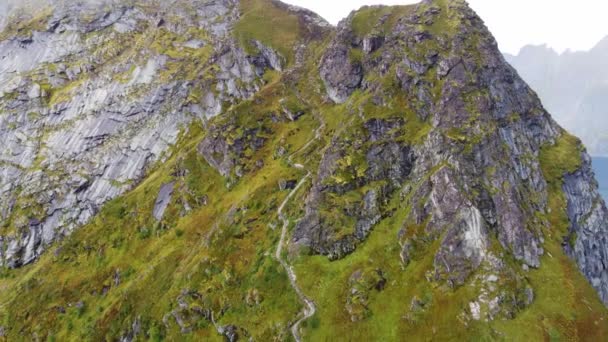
(476, 172)
(342, 76)
(89, 105)
(224, 147)
(399, 146)
(361, 283)
(191, 309)
(382, 165)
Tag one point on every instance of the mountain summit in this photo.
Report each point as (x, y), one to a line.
(242, 170)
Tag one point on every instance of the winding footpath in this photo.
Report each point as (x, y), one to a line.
(309, 308)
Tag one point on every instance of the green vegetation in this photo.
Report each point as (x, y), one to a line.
(212, 241)
(556, 161)
(280, 29)
(570, 310)
(367, 20)
(213, 250)
(448, 21)
(220, 250)
(24, 22)
(63, 94)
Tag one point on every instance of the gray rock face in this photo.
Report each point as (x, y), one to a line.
(473, 179)
(445, 140)
(88, 105)
(269, 58)
(341, 75)
(162, 200)
(388, 161)
(230, 333)
(588, 221)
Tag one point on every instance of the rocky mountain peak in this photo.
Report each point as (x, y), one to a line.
(244, 170)
(601, 47)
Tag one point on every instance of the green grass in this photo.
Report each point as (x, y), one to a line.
(280, 30)
(562, 158)
(170, 256)
(65, 93)
(570, 311)
(223, 248)
(367, 19)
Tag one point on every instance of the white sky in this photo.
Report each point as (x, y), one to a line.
(561, 24)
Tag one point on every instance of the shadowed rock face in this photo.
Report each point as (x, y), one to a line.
(341, 75)
(587, 214)
(389, 162)
(477, 170)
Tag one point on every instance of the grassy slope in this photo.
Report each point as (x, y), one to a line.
(565, 308)
(158, 261)
(268, 24)
(223, 257)
(365, 20)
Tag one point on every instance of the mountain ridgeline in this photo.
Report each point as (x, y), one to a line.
(573, 86)
(242, 170)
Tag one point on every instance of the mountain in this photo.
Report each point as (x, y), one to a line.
(242, 170)
(600, 167)
(574, 88)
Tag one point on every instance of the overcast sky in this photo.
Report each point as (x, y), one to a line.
(561, 24)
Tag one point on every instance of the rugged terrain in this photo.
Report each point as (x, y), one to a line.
(224, 169)
(573, 86)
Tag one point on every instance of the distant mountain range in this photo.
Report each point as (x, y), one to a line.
(573, 86)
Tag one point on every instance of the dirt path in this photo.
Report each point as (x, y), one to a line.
(310, 308)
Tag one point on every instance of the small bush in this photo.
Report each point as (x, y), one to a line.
(144, 233)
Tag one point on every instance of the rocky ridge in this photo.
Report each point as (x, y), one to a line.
(417, 179)
(572, 86)
(91, 103)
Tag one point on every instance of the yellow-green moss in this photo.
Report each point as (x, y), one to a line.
(367, 19)
(556, 161)
(24, 22)
(280, 29)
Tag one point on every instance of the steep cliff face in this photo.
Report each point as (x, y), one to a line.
(572, 86)
(241, 169)
(93, 98)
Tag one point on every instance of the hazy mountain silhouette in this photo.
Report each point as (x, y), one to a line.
(573, 87)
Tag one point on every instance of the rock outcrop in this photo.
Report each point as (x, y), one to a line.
(90, 104)
(587, 215)
(477, 170)
(242, 170)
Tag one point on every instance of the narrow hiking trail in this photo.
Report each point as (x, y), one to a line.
(309, 306)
